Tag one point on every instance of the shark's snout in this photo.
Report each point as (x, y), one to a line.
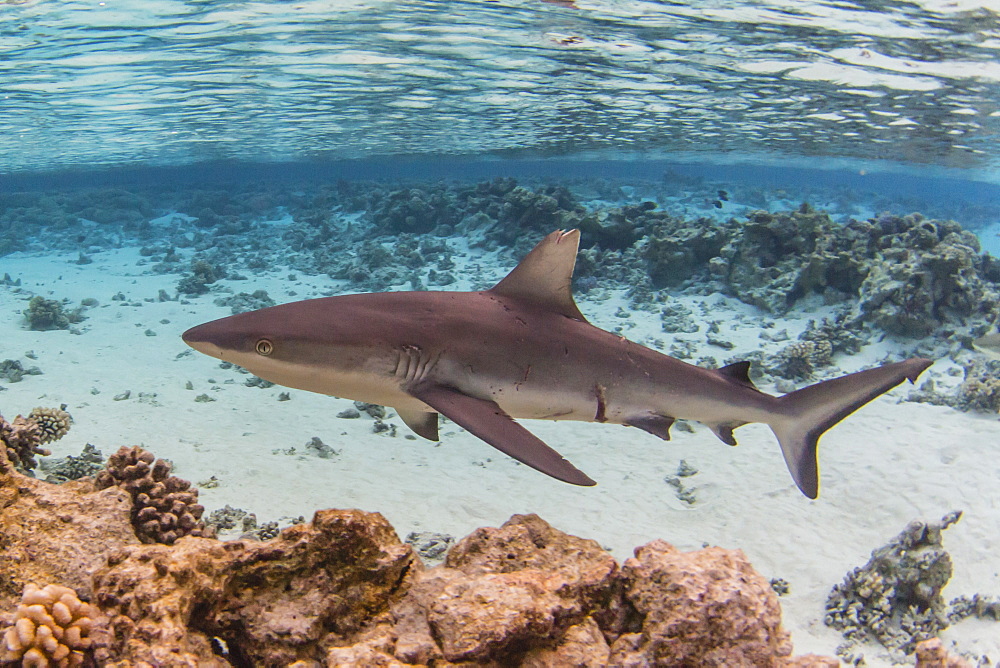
(203, 339)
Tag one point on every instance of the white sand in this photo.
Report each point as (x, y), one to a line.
(886, 465)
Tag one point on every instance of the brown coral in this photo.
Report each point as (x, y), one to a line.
(22, 440)
(53, 423)
(50, 628)
(164, 507)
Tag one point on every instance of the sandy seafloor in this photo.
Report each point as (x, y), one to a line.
(888, 464)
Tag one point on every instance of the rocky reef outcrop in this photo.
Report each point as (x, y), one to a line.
(343, 590)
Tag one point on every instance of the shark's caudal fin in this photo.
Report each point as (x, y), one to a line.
(809, 412)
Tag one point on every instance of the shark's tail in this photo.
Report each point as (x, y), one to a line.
(805, 414)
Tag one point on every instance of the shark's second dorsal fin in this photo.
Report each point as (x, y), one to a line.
(738, 372)
(545, 275)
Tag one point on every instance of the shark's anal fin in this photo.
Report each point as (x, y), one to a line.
(485, 419)
(657, 425)
(421, 422)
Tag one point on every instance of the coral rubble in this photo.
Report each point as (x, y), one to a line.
(51, 627)
(164, 507)
(896, 597)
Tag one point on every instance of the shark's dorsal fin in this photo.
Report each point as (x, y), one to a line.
(544, 275)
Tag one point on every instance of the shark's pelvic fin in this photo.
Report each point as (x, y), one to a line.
(812, 410)
(545, 275)
(421, 422)
(657, 425)
(485, 419)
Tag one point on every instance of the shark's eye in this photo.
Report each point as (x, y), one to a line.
(264, 347)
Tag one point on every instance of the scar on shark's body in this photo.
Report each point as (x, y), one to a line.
(523, 349)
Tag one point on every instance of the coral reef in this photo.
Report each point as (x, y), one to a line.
(51, 627)
(164, 507)
(343, 590)
(896, 597)
(980, 389)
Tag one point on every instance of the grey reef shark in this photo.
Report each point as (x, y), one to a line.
(523, 349)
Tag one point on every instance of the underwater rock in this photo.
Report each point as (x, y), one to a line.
(430, 545)
(932, 654)
(315, 587)
(56, 534)
(164, 507)
(896, 597)
(344, 590)
(719, 611)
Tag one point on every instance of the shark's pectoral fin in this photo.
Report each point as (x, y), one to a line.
(657, 425)
(421, 422)
(485, 419)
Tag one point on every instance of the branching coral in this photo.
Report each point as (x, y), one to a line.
(53, 423)
(22, 440)
(51, 627)
(164, 507)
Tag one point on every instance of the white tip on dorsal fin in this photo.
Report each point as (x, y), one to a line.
(544, 275)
